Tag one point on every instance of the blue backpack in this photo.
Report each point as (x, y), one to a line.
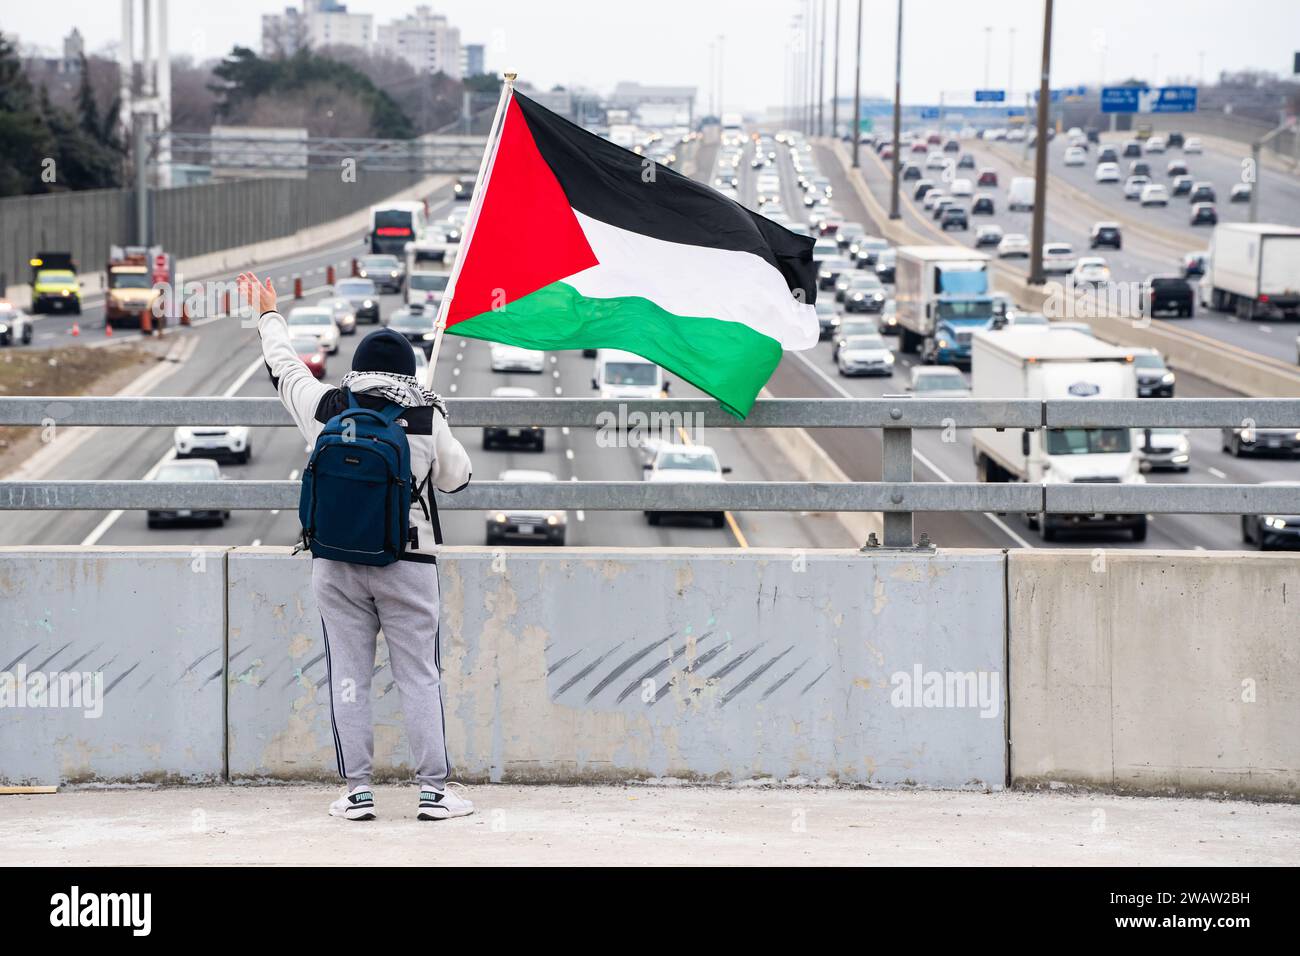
(357, 487)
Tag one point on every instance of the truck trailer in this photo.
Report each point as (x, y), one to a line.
(1254, 270)
(943, 297)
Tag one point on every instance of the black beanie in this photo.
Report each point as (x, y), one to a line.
(384, 351)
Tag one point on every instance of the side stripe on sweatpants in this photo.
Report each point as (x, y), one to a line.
(329, 681)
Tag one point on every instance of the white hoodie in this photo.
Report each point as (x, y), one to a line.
(312, 404)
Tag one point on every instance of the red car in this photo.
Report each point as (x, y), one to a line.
(312, 355)
(887, 151)
(919, 147)
(988, 177)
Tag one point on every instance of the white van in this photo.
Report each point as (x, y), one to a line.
(1020, 194)
(625, 375)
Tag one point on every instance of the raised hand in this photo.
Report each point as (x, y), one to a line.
(261, 296)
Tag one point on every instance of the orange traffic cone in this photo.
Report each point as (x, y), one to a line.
(108, 330)
(76, 329)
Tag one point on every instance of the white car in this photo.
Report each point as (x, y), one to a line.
(1134, 185)
(932, 196)
(1075, 156)
(936, 160)
(938, 381)
(1091, 270)
(1058, 257)
(1154, 194)
(685, 463)
(526, 524)
(512, 358)
(213, 441)
(1192, 145)
(1155, 144)
(1014, 245)
(15, 325)
(864, 355)
(317, 321)
(426, 288)
(962, 187)
(1107, 173)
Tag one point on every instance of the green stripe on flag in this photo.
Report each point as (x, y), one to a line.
(727, 360)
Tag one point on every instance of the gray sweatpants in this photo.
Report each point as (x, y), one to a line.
(355, 601)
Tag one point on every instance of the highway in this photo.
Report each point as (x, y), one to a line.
(225, 361)
(814, 374)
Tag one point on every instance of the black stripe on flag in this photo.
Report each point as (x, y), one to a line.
(604, 181)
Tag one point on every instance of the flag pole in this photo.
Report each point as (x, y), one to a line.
(475, 203)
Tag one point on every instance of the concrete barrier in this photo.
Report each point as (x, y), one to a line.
(588, 665)
(136, 641)
(1155, 672)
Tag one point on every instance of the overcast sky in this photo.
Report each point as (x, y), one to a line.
(596, 43)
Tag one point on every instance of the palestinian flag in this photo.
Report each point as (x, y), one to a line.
(579, 243)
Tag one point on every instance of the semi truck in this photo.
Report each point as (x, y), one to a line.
(1253, 270)
(1057, 364)
(943, 297)
(131, 275)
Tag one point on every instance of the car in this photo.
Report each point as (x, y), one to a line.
(526, 436)
(848, 233)
(1202, 191)
(825, 248)
(887, 323)
(1015, 136)
(363, 296)
(953, 217)
(1134, 185)
(1075, 156)
(987, 177)
(416, 325)
(197, 469)
(911, 171)
(936, 160)
(1181, 186)
(1154, 377)
(514, 358)
(989, 235)
(1139, 168)
(1132, 147)
(961, 187)
(674, 463)
(1261, 441)
(463, 189)
(952, 146)
(829, 271)
(1020, 319)
(1021, 194)
(387, 272)
(1058, 257)
(15, 324)
(533, 525)
(1175, 167)
(213, 441)
(983, 205)
(865, 293)
(828, 320)
(1240, 192)
(1107, 154)
(1105, 234)
(426, 288)
(317, 321)
(1174, 139)
(936, 212)
(345, 316)
(967, 161)
(1204, 214)
(852, 326)
(1154, 194)
(1273, 530)
(1014, 245)
(919, 147)
(1193, 146)
(938, 381)
(309, 352)
(885, 265)
(1194, 264)
(887, 151)
(1155, 144)
(1106, 173)
(932, 197)
(1165, 449)
(56, 290)
(923, 186)
(1166, 294)
(1091, 270)
(865, 251)
(864, 355)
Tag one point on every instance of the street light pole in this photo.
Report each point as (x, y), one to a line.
(854, 122)
(835, 76)
(1036, 276)
(821, 77)
(988, 54)
(898, 106)
(1011, 58)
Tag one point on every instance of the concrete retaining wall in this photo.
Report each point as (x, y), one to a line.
(1152, 672)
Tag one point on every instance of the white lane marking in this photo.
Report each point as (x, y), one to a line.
(110, 519)
(1217, 474)
(257, 542)
(555, 374)
(564, 430)
(459, 356)
(293, 475)
(939, 473)
(568, 453)
(464, 344)
(453, 387)
(1265, 328)
(558, 390)
(456, 370)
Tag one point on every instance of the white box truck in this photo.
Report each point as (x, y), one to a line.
(626, 375)
(1057, 364)
(1254, 270)
(943, 297)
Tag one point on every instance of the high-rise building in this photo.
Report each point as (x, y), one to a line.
(473, 60)
(321, 23)
(425, 40)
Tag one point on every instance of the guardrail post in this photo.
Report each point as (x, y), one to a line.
(896, 465)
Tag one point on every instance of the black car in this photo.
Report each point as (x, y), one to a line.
(982, 206)
(1272, 531)
(528, 436)
(953, 217)
(967, 161)
(1131, 148)
(1105, 234)
(1261, 441)
(364, 298)
(1175, 167)
(1174, 138)
(1139, 167)
(828, 320)
(864, 294)
(1107, 154)
(1167, 293)
(1204, 214)
(885, 266)
(191, 469)
(463, 189)
(415, 324)
(1093, 134)
(1202, 192)
(1182, 186)
(923, 186)
(952, 146)
(1194, 265)
(1154, 379)
(911, 171)
(386, 272)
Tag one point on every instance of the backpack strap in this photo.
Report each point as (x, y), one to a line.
(423, 492)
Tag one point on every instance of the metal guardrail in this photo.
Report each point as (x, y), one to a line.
(256, 152)
(897, 496)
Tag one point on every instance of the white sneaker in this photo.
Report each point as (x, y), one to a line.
(357, 804)
(442, 804)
